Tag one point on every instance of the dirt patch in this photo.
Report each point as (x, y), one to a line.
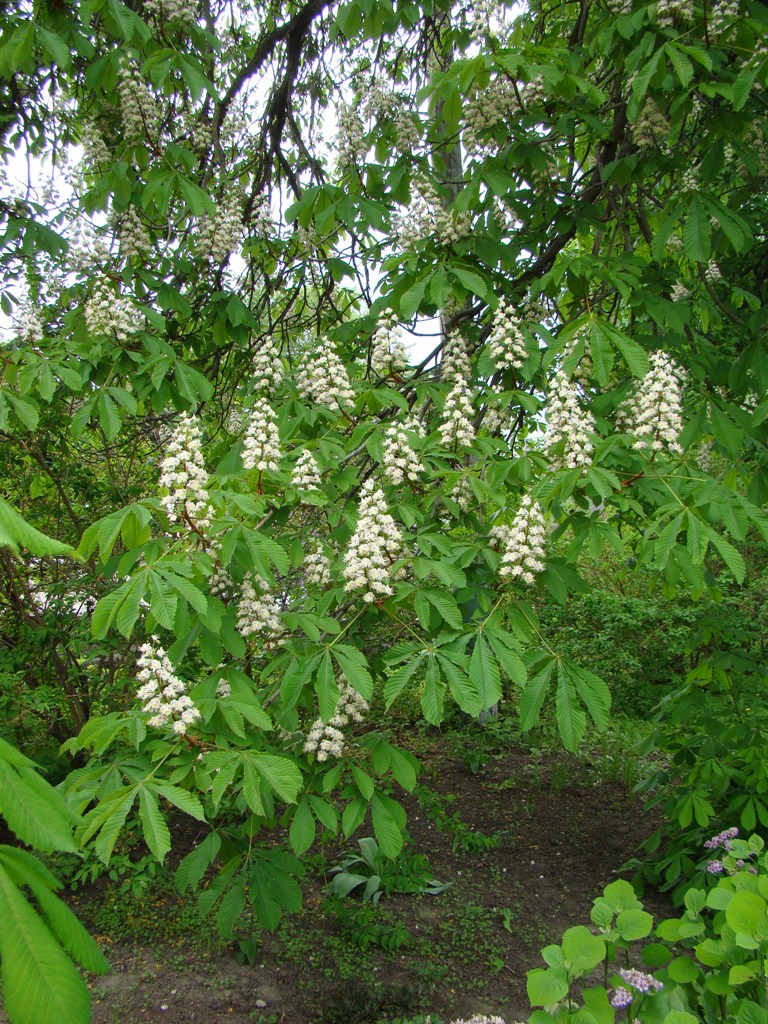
(534, 842)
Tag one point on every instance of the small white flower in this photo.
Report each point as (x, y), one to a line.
(306, 474)
(183, 473)
(456, 427)
(323, 378)
(257, 610)
(524, 543)
(401, 462)
(374, 546)
(567, 421)
(261, 447)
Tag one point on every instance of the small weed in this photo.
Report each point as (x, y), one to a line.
(465, 838)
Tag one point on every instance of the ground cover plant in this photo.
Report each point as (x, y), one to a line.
(349, 348)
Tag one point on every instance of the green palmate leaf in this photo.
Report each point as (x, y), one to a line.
(433, 694)
(326, 687)
(302, 831)
(65, 927)
(697, 232)
(463, 690)
(446, 607)
(354, 666)
(534, 693)
(16, 533)
(153, 824)
(34, 810)
(387, 824)
(571, 720)
(592, 690)
(296, 677)
(193, 867)
(484, 673)
(40, 983)
(398, 679)
(281, 774)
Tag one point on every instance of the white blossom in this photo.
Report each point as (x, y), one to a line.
(400, 460)
(323, 378)
(427, 218)
(388, 351)
(654, 410)
(524, 543)
(261, 446)
(456, 361)
(164, 695)
(257, 610)
(219, 236)
(306, 474)
(327, 740)
(172, 12)
(29, 326)
(134, 239)
(267, 367)
(507, 341)
(138, 106)
(317, 565)
(223, 689)
(456, 427)
(183, 473)
(567, 421)
(463, 494)
(374, 546)
(351, 144)
(107, 312)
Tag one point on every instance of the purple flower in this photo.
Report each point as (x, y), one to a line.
(621, 997)
(640, 980)
(722, 839)
(715, 867)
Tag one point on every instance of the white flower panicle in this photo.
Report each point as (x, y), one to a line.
(106, 312)
(172, 12)
(327, 739)
(138, 107)
(654, 410)
(456, 427)
(317, 566)
(306, 473)
(257, 610)
(496, 417)
(456, 361)
(220, 583)
(223, 689)
(323, 378)
(463, 494)
(163, 693)
(484, 110)
(567, 421)
(524, 543)
(426, 217)
(375, 545)
(96, 155)
(29, 326)
(507, 340)
(401, 462)
(219, 236)
(261, 446)
(183, 473)
(388, 351)
(260, 217)
(134, 239)
(267, 367)
(351, 144)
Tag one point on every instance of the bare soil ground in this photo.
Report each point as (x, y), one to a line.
(559, 838)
